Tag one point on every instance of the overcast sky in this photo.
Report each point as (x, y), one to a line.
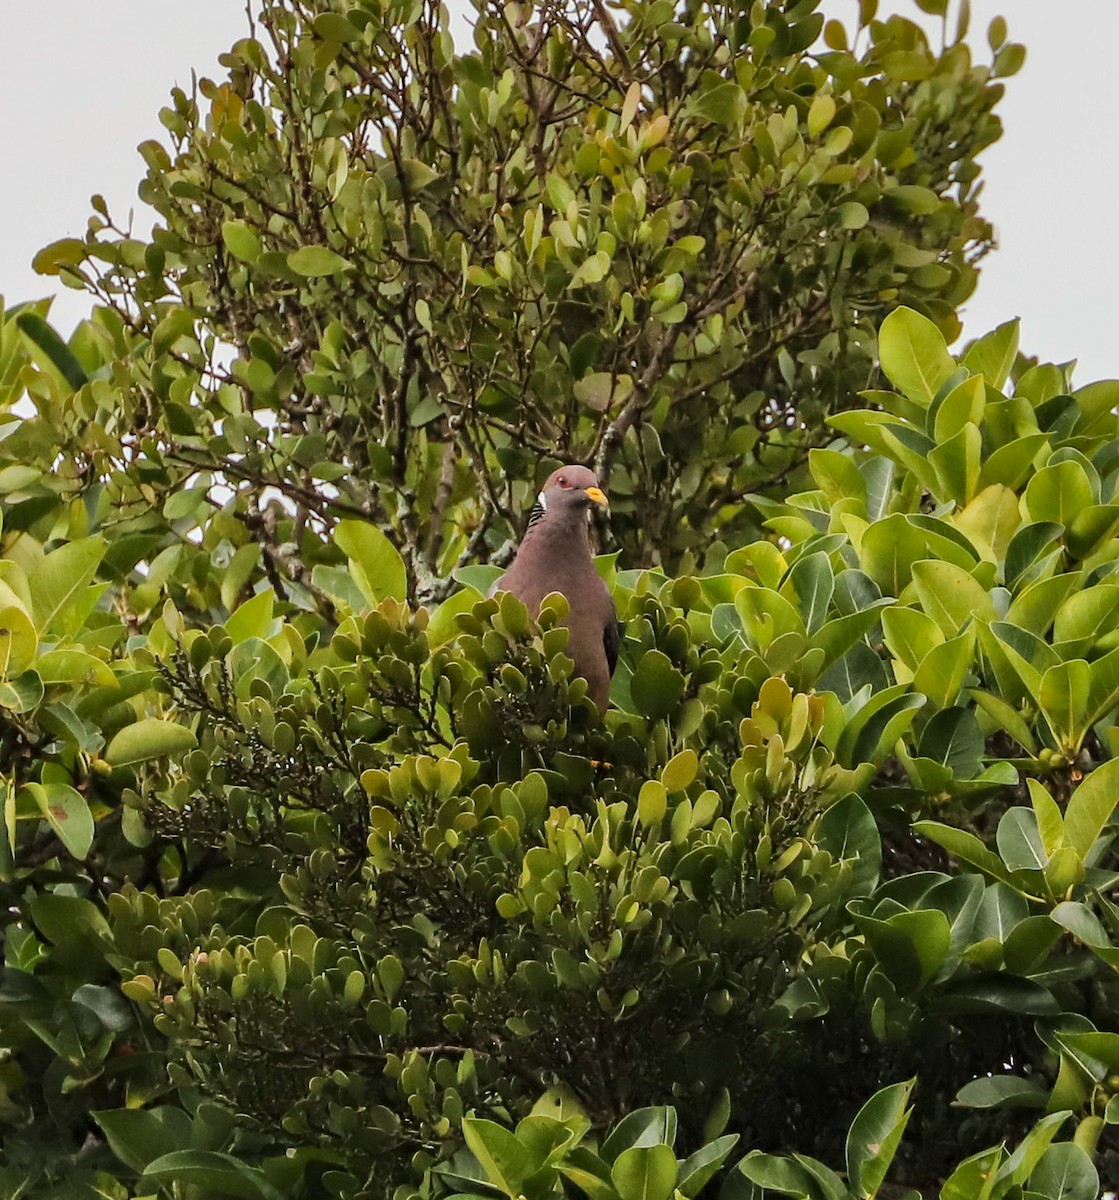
(81, 85)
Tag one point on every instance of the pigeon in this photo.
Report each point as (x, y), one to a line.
(555, 556)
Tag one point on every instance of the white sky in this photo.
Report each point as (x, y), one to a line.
(81, 84)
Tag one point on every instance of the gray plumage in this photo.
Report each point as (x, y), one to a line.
(555, 556)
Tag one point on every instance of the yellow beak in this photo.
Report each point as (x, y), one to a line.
(598, 496)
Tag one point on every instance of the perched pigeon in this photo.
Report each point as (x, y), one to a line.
(555, 556)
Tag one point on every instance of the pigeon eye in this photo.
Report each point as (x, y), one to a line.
(562, 481)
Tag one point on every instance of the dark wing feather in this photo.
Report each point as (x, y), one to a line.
(612, 641)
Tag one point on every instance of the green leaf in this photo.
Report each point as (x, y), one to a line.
(953, 738)
(65, 919)
(837, 636)
(766, 615)
(61, 357)
(652, 802)
(375, 562)
(812, 582)
(339, 584)
(1011, 463)
(1064, 698)
(333, 27)
(974, 1178)
(943, 670)
(911, 635)
(914, 354)
(18, 643)
(23, 693)
(253, 618)
(963, 405)
(784, 1175)
(1065, 1172)
(139, 1136)
(1091, 806)
(1086, 615)
(848, 832)
(910, 946)
(1105, 685)
(653, 1126)
(957, 463)
(506, 1162)
(317, 260)
(645, 1173)
(1001, 1091)
(965, 846)
(993, 354)
(443, 626)
(241, 240)
(657, 687)
(724, 104)
(871, 733)
(891, 546)
(1082, 923)
(74, 666)
(213, 1173)
(680, 771)
(61, 577)
(1019, 841)
(147, 739)
(1027, 1154)
(698, 1168)
(875, 1135)
(1058, 493)
(67, 813)
(238, 573)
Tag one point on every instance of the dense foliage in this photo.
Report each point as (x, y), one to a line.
(849, 821)
(321, 877)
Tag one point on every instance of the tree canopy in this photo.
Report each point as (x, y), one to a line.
(400, 282)
(321, 876)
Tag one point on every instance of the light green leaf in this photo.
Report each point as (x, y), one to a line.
(1064, 698)
(60, 577)
(506, 1162)
(645, 1173)
(375, 562)
(1091, 806)
(147, 739)
(18, 641)
(1058, 493)
(964, 404)
(943, 670)
(317, 260)
(875, 1135)
(241, 240)
(680, 771)
(993, 354)
(253, 618)
(67, 813)
(914, 354)
(74, 666)
(951, 595)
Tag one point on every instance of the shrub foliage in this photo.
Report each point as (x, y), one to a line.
(321, 875)
(297, 912)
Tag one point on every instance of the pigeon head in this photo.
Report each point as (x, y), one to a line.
(571, 489)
